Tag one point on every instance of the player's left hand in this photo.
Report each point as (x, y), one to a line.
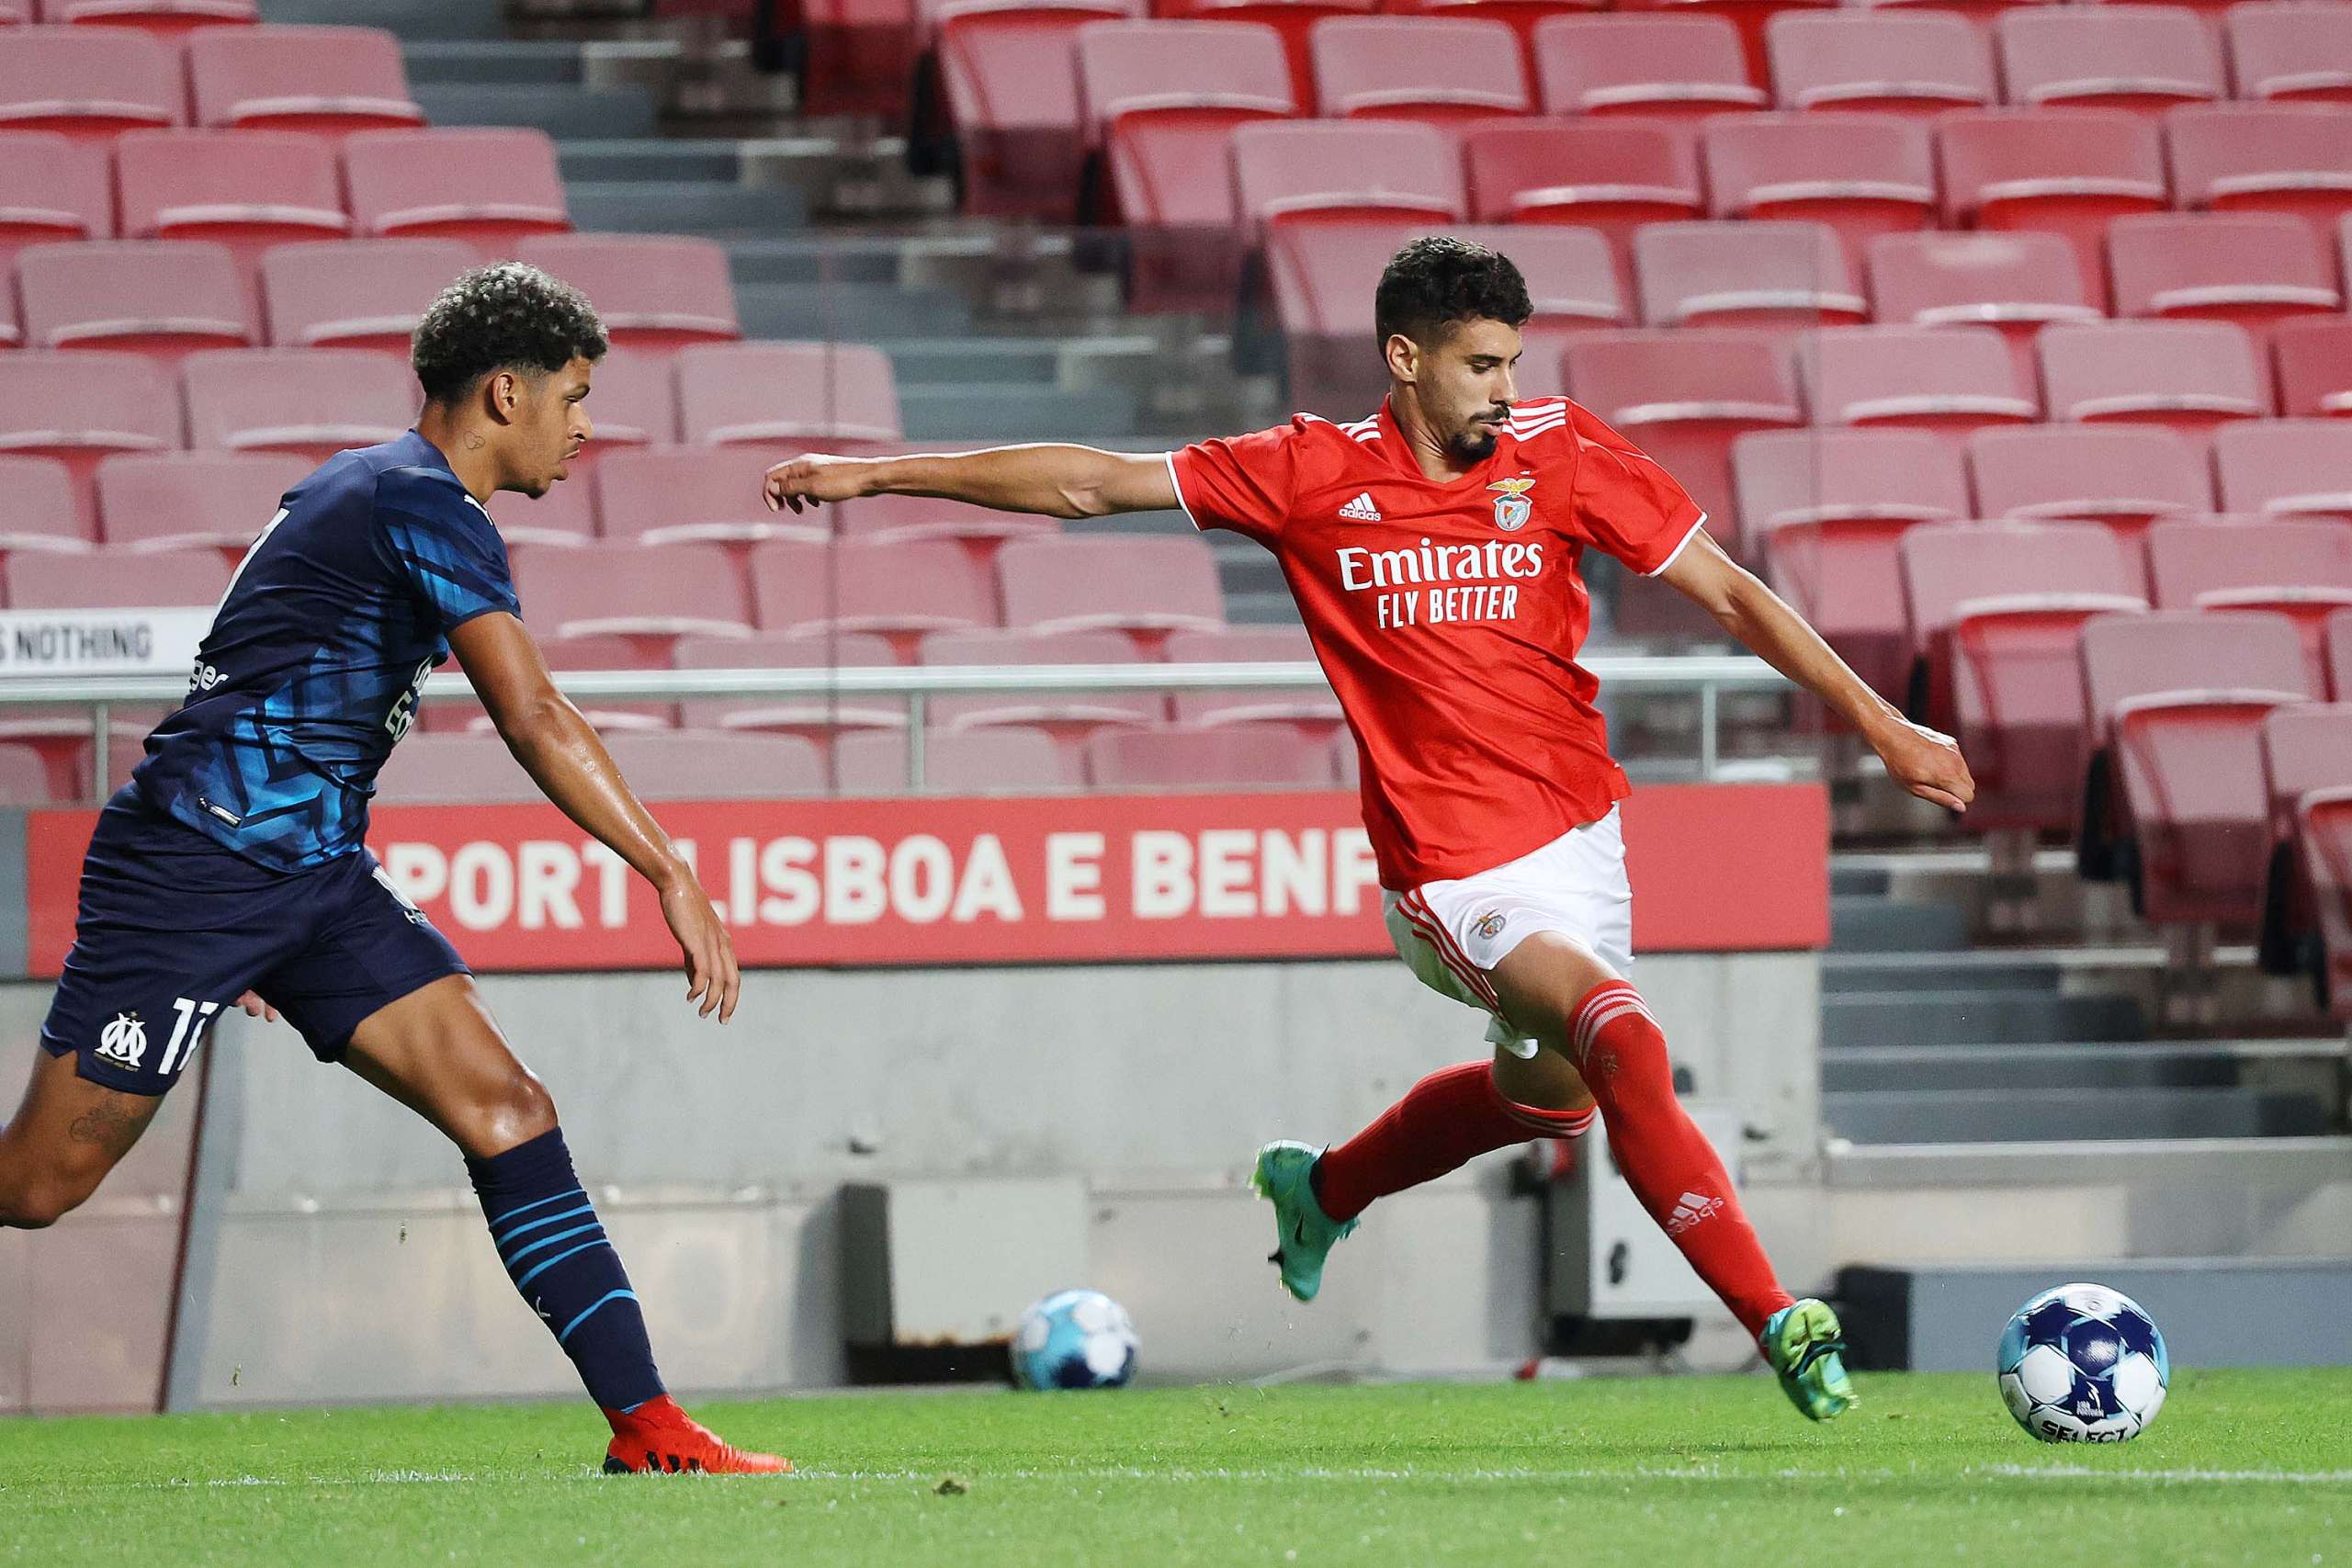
(1926, 763)
(256, 1008)
(709, 952)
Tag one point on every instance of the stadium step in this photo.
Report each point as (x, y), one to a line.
(853, 312)
(1877, 925)
(2004, 1115)
(1974, 1017)
(717, 160)
(411, 20)
(699, 208)
(1849, 972)
(2020, 1069)
(504, 62)
(997, 410)
(560, 111)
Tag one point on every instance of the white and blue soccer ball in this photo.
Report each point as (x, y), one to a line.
(2083, 1364)
(1074, 1339)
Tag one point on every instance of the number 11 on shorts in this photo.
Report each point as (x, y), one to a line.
(199, 1014)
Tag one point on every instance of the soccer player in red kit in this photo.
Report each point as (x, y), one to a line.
(1433, 552)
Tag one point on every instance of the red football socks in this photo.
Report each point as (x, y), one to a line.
(1448, 1118)
(1667, 1162)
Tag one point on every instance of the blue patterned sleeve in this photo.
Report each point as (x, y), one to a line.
(452, 557)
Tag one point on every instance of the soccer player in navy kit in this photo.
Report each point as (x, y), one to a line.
(231, 870)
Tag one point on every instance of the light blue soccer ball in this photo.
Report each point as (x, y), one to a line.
(2083, 1364)
(1074, 1339)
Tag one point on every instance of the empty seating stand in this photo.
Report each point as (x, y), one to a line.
(2069, 172)
(1005, 66)
(2294, 159)
(52, 188)
(91, 83)
(2286, 467)
(655, 292)
(2119, 475)
(899, 592)
(1670, 65)
(172, 500)
(2306, 924)
(2189, 377)
(1894, 59)
(1785, 276)
(2174, 801)
(1611, 175)
(247, 189)
(1438, 71)
(2253, 269)
(325, 79)
(2300, 569)
(2015, 282)
(2291, 52)
(489, 189)
(775, 400)
(1953, 380)
(81, 407)
(1245, 756)
(161, 298)
(2146, 59)
(1860, 175)
(313, 402)
(356, 293)
(165, 19)
(2315, 362)
(667, 495)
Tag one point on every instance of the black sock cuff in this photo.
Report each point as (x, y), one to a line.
(542, 1165)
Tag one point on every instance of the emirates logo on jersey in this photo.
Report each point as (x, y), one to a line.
(1513, 509)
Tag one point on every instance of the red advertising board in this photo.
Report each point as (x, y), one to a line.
(1071, 878)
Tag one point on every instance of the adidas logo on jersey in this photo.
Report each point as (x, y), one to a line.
(1690, 1209)
(1360, 510)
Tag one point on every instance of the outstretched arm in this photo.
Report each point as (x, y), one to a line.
(1927, 763)
(1059, 482)
(568, 761)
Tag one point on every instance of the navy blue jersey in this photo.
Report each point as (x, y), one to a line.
(310, 674)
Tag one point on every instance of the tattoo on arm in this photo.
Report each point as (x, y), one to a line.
(114, 1123)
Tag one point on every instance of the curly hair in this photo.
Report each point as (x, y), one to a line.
(506, 316)
(1438, 280)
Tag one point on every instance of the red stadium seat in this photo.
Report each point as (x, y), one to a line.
(1523, 17)
(900, 517)
(79, 408)
(2315, 361)
(2253, 269)
(1610, 173)
(25, 779)
(1069, 716)
(315, 402)
(1862, 175)
(2304, 748)
(1682, 397)
(634, 402)
(1906, 61)
(2175, 804)
(899, 592)
(91, 83)
(2293, 51)
(1780, 276)
(1666, 66)
(1161, 99)
(2290, 158)
(1233, 756)
(1752, 17)
(2068, 171)
(688, 764)
(2015, 282)
(177, 500)
(1951, 380)
(2338, 642)
(1002, 759)
(162, 299)
(1438, 71)
(2144, 58)
(2301, 571)
(1146, 586)
(661, 495)
(1310, 171)
(785, 397)
(356, 293)
(1292, 19)
(1824, 511)
(2187, 376)
(2120, 475)
(653, 594)
(329, 80)
(1005, 65)
(2307, 769)
(565, 516)
(605, 714)
(166, 19)
(2287, 468)
(862, 56)
(247, 189)
(438, 768)
(52, 188)
(1315, 714)
(492, 188)
(114, 579)
(1324, 278)
(37, 509)
(1996, 611)
(657, 292)
(816, 717)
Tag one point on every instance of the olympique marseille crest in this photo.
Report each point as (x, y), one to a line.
(124, 1040)
(1513, 509)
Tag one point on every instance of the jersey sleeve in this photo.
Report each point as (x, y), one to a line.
(1626, 503)
(449, 553)
(1243, 482)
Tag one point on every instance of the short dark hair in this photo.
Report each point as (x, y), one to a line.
(503, 317)
(1438, 280)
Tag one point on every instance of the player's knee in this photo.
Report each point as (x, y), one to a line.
(523, 1110)
(36, 1203)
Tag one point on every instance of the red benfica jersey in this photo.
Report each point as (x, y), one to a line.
(1448, 616)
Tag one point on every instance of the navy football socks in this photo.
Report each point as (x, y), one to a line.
(555, 1250)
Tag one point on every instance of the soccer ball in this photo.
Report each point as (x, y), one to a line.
(1074, 1339)
(2083, 1364)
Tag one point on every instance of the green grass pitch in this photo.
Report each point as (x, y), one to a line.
(2241, 1467)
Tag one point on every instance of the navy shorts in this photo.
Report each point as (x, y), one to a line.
(174, 928)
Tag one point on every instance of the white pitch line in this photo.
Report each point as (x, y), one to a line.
(2084, 1471)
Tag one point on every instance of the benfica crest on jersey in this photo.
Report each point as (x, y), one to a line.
(1513, 509)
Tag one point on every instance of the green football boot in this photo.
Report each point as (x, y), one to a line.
(1302, 1233)
(1806, 1348)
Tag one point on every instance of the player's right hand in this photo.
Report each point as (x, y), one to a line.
(803, 482)
(1926, 763)
(709, 952)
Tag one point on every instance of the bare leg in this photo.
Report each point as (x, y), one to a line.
(439, 1052)
(67, 1134)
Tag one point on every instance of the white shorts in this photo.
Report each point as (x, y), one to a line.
(1451, 933)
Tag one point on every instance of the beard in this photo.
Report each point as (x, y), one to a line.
(1475, 445)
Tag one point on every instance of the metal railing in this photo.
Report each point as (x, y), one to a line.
(1708, 675)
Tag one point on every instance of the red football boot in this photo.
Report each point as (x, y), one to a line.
(658, 1437)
